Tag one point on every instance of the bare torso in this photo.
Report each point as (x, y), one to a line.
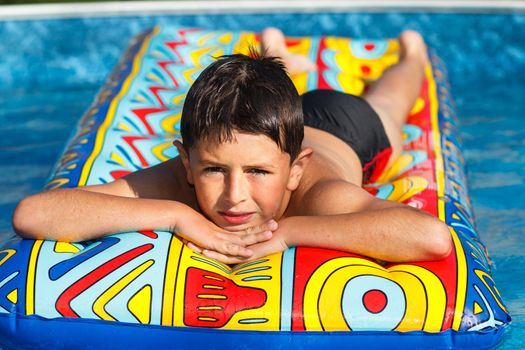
(332, 160)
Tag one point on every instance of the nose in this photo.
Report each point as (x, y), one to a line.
(236, 188)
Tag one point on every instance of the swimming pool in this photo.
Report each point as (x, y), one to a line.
(51, 69)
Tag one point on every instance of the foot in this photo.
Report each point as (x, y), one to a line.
(273, 44)
(413, 46)
(296, 64)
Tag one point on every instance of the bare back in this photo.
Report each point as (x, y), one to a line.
(166, 181)
(332, 158)
(334, 166)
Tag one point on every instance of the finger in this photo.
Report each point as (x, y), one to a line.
(194, 247)
(232, 249)
(246, 239)
(221, 257)
(270, 225)
(268, 248)
(260, 249)
(254, 238)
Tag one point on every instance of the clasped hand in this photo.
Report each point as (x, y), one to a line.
(229, 247)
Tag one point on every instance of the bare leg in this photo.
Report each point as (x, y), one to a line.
(273, 44)
(393, 95)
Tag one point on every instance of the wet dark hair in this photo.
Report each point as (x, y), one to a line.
(246, 94)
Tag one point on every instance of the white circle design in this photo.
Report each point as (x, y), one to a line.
(359, 318)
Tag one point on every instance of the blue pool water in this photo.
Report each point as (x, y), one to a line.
(50, 71)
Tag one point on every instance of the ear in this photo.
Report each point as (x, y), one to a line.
(185, 158)
(298, 167)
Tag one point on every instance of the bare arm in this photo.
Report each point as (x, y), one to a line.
(79, 214)
(94, 211)
(127, 204)
(345, 217)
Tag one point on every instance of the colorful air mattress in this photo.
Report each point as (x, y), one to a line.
(146, 290)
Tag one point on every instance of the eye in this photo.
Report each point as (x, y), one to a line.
(213, 169)
(258, 171)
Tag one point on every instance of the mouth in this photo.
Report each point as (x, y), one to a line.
(236, 218)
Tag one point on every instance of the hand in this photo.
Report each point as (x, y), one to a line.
(212, 241)
(281, 239)
(274, 245)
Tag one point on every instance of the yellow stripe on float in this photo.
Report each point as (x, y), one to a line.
(13, 296)
(8, 254)
(205, 37)
(168, 295)
(245, 41)
(154, 77)
(197, 54)
(158, 151)
(31, 270)
(188, 73)
(494, 291)
(477, 308)
(114, 156)
(57, 183)
(461, 286)
(100, 303)
(65, 247)
(436, 296)
(226, 38)
(436, 133)
(140, 98)
(168, 124)
(140, 304)
(101, 133)
(207, 308)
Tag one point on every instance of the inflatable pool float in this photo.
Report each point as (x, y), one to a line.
(145, 289)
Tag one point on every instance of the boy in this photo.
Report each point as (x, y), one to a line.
(246, 184)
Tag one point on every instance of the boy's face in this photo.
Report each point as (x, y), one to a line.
(241, 183)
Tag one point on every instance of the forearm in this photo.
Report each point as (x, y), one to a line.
(390, 234)
(76, 215)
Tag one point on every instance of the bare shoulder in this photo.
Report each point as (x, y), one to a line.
(163, 181)
(331, 197)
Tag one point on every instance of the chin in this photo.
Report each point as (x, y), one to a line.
(238, 227)
(234, 228)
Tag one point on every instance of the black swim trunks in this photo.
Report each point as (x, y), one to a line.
(351, 119)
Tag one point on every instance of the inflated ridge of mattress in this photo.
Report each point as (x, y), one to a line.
(147, 279)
